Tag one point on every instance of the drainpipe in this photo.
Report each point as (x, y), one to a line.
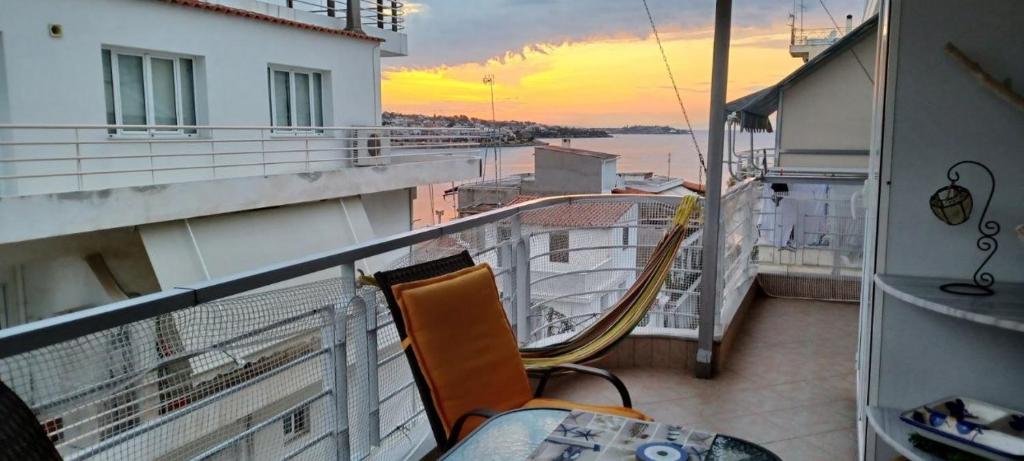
(709, 293)
(352, 20)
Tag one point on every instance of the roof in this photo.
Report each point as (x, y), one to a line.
(573, 214)
(581, 152)
(204, 5)
(755, 108)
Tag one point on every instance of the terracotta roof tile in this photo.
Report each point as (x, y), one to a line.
(575, 214)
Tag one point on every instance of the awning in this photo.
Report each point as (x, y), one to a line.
(754, 109)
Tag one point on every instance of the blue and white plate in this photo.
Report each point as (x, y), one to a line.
(661, 451)
(974, 426)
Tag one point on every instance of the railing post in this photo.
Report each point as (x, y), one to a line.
(307, 155)
(373, 375)
(336, 375)
(353, 22)
(522, 281)
(78, 161)
(152, 166)
(380, 14)
(263, 152)
(394, 16)
(213, 157)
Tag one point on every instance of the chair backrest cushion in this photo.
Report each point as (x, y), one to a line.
(463, 343)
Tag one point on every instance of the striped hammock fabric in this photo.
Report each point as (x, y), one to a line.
(618, 321)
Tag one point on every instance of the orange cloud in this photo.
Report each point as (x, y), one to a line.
(603, 82)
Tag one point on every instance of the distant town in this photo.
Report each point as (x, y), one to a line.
(522, 132)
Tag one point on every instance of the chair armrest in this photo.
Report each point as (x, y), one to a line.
(607, 375)
(453, 437)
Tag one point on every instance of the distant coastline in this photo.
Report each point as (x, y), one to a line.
(519, 132)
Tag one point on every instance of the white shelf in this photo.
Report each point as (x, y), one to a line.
(1004, 309)
(886, 423)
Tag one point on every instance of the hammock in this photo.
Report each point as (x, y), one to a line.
(618, 321)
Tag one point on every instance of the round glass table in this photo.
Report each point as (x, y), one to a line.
(514, 435)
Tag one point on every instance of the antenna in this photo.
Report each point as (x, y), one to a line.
(489, 81)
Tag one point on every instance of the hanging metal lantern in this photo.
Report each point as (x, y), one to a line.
(952, 204)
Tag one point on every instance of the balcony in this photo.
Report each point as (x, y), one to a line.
(49, 168)
(807, 43)
(271, 365)
(383, 19)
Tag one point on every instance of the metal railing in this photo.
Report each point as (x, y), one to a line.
(752, 163)
(269, 365)
(382, 14)
(38, 159)
(822, 36)
(811, 241)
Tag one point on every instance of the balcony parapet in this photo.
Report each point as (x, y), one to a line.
(50, 159)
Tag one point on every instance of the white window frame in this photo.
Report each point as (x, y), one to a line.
(290, 418)
(554, 255)
(147, 87)
(293, 108)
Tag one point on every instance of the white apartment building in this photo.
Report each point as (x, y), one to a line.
(153, 144)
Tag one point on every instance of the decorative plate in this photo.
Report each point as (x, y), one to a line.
(661, 451)
(974, 426)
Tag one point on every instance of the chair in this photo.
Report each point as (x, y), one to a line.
(461, 349)
(21, 435)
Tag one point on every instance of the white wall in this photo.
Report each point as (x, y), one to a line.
(29, 271)
(931, 114)
(236, 242)
(565, 173)
(829, 109)
(60, 80)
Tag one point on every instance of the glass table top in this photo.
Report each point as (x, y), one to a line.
(513, 436)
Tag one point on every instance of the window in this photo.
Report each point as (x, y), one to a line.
(558, 247)
(296, 100)
(504, 235)
(149, 89)
(54, 429)
(296, 423)
(625, 237)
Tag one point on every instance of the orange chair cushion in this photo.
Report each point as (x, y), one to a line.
(608, 410)
(463, 344)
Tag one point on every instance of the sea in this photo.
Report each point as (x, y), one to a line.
(664, 154)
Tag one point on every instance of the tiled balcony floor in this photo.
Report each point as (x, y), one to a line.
(789, 385)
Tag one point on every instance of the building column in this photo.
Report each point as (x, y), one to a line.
(353, 22)
(709, 293)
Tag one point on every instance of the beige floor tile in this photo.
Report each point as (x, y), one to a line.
(799, 449)
(789, 384)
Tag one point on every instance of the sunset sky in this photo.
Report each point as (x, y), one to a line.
(586, 62)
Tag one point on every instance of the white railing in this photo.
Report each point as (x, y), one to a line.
(751, 163)
(37, 159)
(270, 365)
(823, 36)
(811, 241)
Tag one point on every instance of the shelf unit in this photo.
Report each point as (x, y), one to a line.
(1004, 309)
(887, 424)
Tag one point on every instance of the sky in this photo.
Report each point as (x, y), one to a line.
(590, 63)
